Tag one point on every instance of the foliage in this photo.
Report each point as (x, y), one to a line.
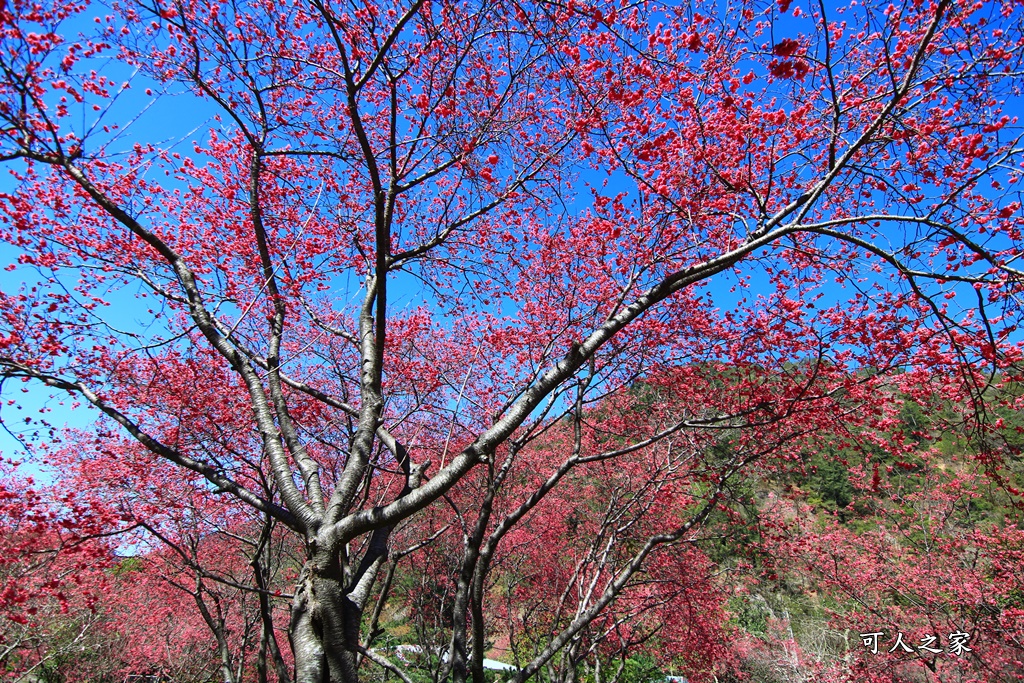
(500, 321)
(52, 579)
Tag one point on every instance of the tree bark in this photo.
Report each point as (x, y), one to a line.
(304, 632)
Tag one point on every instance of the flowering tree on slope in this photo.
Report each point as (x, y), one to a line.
(562, 185)
(52, 557)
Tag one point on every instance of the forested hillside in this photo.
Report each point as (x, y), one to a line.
(443, 341)
(889, 552)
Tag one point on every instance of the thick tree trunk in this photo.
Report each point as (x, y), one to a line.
(324, 629)
(339, 629)
(305, 634)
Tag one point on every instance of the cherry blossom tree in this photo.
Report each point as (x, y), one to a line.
(420, 240)
(52, 559)
(201, 590)
(193, 612)
(924, 591)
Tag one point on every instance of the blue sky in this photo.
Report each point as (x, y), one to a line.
(164, 117)
(169, 119)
